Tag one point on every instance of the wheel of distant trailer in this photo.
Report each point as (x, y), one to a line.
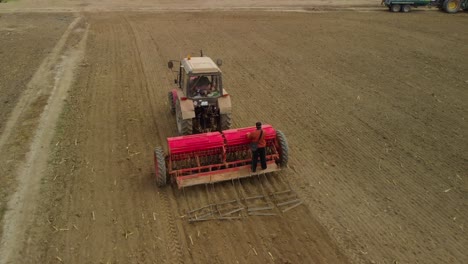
(160, 167)
(184, 126)
(405, 8)
(451, 6)
(283, 148)
(395, 8)
(226, 121)
(171, 101)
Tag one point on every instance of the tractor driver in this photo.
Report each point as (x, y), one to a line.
(200, 86)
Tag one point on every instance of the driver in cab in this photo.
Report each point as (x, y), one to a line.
(201, 86)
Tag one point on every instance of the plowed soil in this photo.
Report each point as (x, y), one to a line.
(374, 106)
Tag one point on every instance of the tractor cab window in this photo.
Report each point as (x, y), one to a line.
(204, 86)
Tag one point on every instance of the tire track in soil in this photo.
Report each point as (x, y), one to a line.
(172, 232)
(173, 235)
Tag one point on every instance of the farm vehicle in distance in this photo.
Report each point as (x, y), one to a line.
(449, 6)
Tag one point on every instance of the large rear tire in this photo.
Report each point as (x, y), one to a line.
(283, 149)
(405, 8)
(171, 102)
(160, 167)
(395, 8)
(451, 6)
(184, 126)
(226, 121)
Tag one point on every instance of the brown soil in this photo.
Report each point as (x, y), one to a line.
(374, 112)
(26, 40)
(164, 5)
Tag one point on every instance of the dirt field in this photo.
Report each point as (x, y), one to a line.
(24, 47)
(165, 5)
(374, 112)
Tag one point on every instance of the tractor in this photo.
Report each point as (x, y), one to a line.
(207, 150)
(449, 6)
(200, 102)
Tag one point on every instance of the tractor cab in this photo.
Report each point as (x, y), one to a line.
(200, 77)
(205, 85)
(200, 102)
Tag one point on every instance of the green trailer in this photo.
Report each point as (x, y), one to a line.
(449, 6)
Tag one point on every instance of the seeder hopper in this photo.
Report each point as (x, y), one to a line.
(216, 156)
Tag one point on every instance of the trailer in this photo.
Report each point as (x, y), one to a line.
(449, 6)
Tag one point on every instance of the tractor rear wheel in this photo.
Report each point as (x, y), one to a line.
(226, 121)
(405, 8)
(395, 8)
(283, 148)
(451, 6)
(160, 167)
(184, 126)
(171, 102)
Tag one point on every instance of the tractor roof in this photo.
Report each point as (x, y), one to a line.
(200, 65)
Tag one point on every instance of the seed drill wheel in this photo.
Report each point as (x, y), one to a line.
(160, 167)
(184, 126)
(226, 121)
(405, 8)
(395, 8)
(171, 102)
(283, 148)
(451, 6)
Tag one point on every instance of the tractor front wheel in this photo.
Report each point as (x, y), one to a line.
(184, 126)
(160, 167)
(451, 6)
(395, 8)
(171, 101)
(283, 148)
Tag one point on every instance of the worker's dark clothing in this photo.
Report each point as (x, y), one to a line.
(260, 152)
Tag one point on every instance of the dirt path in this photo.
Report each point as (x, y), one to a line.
(23, 202)
(374, 113)
(24, 47)
(29, 54)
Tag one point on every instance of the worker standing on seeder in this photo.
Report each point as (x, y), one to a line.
(257, 145)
